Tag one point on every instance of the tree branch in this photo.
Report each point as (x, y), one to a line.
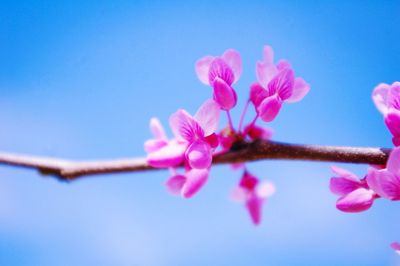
(241, 152)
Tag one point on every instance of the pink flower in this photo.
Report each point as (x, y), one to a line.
(188, 184)
(355, 195)
(193, 146)
(396, 247)
(387, 100)
(276, 84)
(221, 72)
(253, 194)
(386, 182)
(194, 139)
(163, 153)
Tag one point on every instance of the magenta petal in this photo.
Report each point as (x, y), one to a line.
(175, 183)
(266, 70)
(254, 206)
(269, 108)
(300, 89)
(208, 116)
(202, 68)
(195, 180)
(392, 121)
(380, 97)
(153, 145)
(233, 59)
(396, 247)
(282, 64)
(394, 96)
(341, 172)
(282, 84)
(384, 183)
(257, 94)
(199, 155)
(220, 69)
(185, 126)
(224, 94)
(344, 183)
(157, 129)
(393, 164)
(239, 194)
(342, 186)
(357, 201)
(265, 189)
(212, 140)
(168, 156)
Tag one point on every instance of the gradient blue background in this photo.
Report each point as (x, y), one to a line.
(81, 79)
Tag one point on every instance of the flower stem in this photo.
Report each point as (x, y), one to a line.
(230, 120)
(254, 121)
(243, 115)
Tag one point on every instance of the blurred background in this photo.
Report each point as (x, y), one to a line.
(81, 79)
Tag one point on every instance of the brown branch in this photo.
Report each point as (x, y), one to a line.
(242, 152)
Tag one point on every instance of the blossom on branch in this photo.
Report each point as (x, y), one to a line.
(193, 146)
(387, 99)
(355, 194)
(276, 84)
(253, 194)
(221, 72)
(386, 182)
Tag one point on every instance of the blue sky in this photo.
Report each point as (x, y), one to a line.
(81, 80)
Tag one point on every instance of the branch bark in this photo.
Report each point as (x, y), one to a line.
(241, 152)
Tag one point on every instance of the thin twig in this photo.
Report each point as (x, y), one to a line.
(241, 152)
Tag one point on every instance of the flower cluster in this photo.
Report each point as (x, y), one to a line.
(381, 181)
(196, 138)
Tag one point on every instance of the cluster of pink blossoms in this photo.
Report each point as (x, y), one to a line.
(196, 138)
(381, 181)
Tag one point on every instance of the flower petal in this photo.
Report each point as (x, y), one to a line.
(224, 94)
(392, 121)
(199, 155)
(233, 59)
(282, 84)
(157, 129)
(175, 183)
(396, 247)
(195, 180)
(394, 96)
(265, 189)
(220, 69)
(300, 89)
(248, 181)
(212, 140)
(384, 183)
(380, 97)
(153, 145)
(341, 172)
(342, 186)
(239, 194)
(185, 126)
(357, 201)
(208, 116)
(282, 64)
(269, 108)
(266, 70)
(202, 68)
(254, 206)
(393, 164)
(257, 94)
(170, 155)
